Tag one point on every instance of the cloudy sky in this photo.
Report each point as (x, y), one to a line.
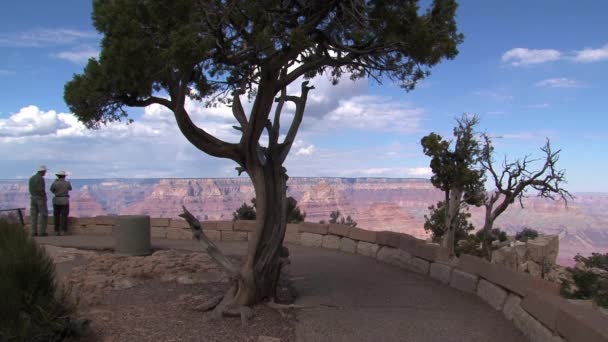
(530, 70)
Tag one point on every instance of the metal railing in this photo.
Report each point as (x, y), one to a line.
(19, 213)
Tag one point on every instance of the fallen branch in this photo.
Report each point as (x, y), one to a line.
(209, 304)
(277, 306)
(208, 245)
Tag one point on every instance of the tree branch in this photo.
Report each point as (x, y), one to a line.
(203, 140)
(300, 103)
(208, 245)
(238, 111)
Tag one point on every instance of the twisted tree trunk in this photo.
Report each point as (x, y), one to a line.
(452, 210)
(263, 264)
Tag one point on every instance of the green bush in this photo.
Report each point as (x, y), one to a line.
(435, 223)
(245, 212)
(470, 245)
(495, 234)
(526, 234)
(595, 260)
(588, 283)
(31, 308)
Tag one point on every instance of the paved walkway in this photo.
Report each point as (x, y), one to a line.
(354, 298)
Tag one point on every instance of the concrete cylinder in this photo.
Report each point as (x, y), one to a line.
(132, 235)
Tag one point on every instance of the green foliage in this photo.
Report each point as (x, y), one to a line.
(336, 217)
(435, 223)
(247, 212)
(294, 214)
(471, 245)
(590, 282)
(495, 234)
(151, 48)
(31, 308)
(526, 234)
(457, 168)
(595, 260)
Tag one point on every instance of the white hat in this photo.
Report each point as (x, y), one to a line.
(60, 173)
(42, 168)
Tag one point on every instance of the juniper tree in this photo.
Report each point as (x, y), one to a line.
(456, 171)
(164, 52)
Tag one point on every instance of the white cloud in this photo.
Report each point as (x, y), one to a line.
(377, 171)
(374, 113)
(560, 82)
(306, 151)
(522, 56)
(416, 172)
(589, 55)
(419, 171)
(494, 95)
(145, 148)
(45, 37)
(31, 121)
(540, 105)
(535, 135)
(79, 56)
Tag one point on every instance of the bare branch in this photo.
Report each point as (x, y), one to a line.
(547, 181)
(238, 111)
(300, 103)
(208, 245)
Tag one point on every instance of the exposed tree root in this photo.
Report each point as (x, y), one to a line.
(277, 306)
(209, 304)
(208, 245)
(225, 305)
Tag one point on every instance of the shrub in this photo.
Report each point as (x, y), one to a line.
(526, 234)
(595, 260)
(294, 214)
(336, 217)
(470, 245)
(590, 282)
(31, 308)
(435, 223)
(495, 234)
(247, 212)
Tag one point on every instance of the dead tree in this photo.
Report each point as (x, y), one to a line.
(515, 178)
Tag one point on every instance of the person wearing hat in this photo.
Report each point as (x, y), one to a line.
(61, 202)
(38, 209)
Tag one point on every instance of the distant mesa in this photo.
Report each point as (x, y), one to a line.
(375, 203)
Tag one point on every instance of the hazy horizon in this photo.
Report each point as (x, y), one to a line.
(541, 79)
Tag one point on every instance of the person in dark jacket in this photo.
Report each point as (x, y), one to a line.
(61, 202)
(38, 209)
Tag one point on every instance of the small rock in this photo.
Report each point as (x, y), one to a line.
(185, 280)
(582, 302)
(268, 339)
(122, 284)
(209, 276)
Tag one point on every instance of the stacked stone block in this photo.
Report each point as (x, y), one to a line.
(531, 303)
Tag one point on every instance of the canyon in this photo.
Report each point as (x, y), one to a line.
(375, 203)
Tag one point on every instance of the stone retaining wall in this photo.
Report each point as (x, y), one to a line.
(532, 304)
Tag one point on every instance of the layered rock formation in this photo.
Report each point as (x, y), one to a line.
(536, 256)
(375, 203)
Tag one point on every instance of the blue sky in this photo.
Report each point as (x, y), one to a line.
(529, 69)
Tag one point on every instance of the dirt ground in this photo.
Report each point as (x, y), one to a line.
(155, 298)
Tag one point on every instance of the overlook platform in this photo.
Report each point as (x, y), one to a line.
(355, 298)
